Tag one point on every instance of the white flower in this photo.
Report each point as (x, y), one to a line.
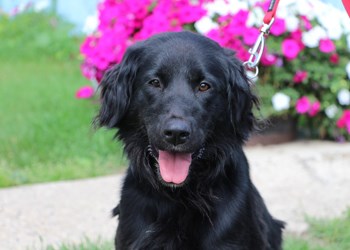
(312, 38)
(344, 97)
(330, 20)
(280, 101)
(90, 25)
(235, 6)
(335, 33)
(292, 23)
(217, 7)
(224, 7)
(331, 111)
(347, 68)
(286, 8)
(253, 2)
(255, 17)
(41, 5)
(205, 24)
(345, 22)
(306, 8)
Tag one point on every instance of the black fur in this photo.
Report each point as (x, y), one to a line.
(217, 207)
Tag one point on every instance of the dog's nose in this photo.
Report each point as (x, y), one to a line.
(177, 132)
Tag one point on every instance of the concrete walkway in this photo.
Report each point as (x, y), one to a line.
(296, 179)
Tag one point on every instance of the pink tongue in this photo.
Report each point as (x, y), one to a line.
(174, 166)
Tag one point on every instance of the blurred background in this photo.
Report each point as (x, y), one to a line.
(53, 54)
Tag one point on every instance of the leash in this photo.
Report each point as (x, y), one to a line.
(257, 50)
(346, 4)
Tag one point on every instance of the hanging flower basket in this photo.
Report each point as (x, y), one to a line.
(276, 130)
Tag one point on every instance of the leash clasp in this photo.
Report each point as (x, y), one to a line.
(258, 49)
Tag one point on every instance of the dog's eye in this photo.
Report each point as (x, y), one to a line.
(203, 86)
(155, 83)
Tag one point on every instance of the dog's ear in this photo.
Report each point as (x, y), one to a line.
(116, 90)
(240, 97)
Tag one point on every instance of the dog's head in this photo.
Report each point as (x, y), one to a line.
(173, 95)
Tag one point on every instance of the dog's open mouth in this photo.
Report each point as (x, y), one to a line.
(174, 167)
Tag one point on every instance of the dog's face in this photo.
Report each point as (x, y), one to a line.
(176, 92)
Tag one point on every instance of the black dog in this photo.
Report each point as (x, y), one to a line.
(183, 108)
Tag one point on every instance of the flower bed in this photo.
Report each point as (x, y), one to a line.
(304, 71)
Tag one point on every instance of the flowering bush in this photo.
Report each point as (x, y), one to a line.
(122, 23)
(304, 70)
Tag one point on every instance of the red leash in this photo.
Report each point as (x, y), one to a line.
(271, 12)
(346, 4)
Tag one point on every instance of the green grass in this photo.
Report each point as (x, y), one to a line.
(86, 245)
(45, 133)
(323, 235)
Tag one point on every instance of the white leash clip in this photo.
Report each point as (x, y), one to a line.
(257, 50)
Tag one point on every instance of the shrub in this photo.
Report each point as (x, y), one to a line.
(37, 35)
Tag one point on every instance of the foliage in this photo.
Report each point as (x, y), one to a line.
(304, 72)
(46, 134)
(87, 244)
(323, 235)
(334, 232)
(36, 35)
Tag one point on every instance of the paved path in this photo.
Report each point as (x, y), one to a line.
(295, 179)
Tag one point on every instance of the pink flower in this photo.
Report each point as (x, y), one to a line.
(334, 58)
(302, 105)
(300, 76)
(87, 70)
(122, 23)
(278, 27)
(290, 48)
(85, 92)
(190, 13)
(250, 35)
(306, 22)
(243, 54)
(296, 35)
(327, 45)
(341, 123)
(233, 29)
(268, 59)
(314, 108)
(344, 120)
(87, 46)
(241, 17)
(215, 35)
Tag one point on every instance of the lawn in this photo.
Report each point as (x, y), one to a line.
(45, 133)
(323, 235)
